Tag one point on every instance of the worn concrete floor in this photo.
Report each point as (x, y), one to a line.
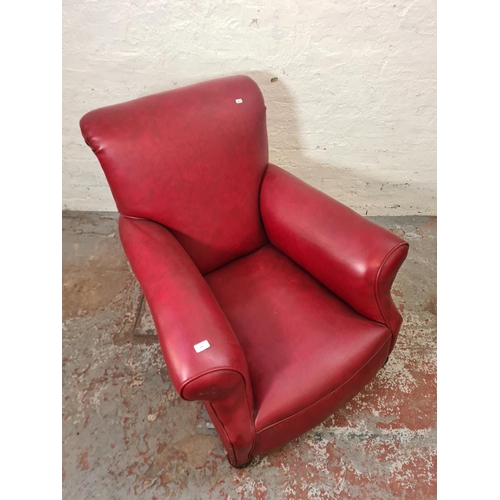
(127, 435)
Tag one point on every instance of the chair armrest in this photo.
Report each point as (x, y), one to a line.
(185, 313)
(184, 310)
(355, 258)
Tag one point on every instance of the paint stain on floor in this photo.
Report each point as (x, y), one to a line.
(126, 433)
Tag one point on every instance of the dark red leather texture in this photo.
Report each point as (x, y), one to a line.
(290, 288)
(186, 313)
(287, 429)
(301, 342)
(355, 258)
(191, 159)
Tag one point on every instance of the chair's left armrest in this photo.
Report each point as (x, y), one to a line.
(355, 258)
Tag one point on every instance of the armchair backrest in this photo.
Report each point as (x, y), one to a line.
(191, 159)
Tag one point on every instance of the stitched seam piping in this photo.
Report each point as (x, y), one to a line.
(231, 447)
(377, 280)
(324, 397)
(206, 372)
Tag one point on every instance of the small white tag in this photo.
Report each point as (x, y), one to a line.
(201, 346)
(239, 101)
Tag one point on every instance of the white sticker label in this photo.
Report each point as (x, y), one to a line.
(201, 346)
(239, 101)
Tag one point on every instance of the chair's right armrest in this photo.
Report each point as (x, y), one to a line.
(355, 258)
(185, 313)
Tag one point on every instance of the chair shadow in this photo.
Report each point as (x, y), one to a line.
(341, 183)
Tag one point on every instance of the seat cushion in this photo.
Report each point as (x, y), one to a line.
(301, 341)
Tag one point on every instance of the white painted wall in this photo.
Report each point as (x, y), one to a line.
(353, 111)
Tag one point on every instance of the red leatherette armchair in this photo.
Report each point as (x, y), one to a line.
(290, 288)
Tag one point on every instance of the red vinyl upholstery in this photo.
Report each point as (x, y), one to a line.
(191, 159)
(290, 288)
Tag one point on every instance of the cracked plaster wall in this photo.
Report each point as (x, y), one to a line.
(350, 86)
